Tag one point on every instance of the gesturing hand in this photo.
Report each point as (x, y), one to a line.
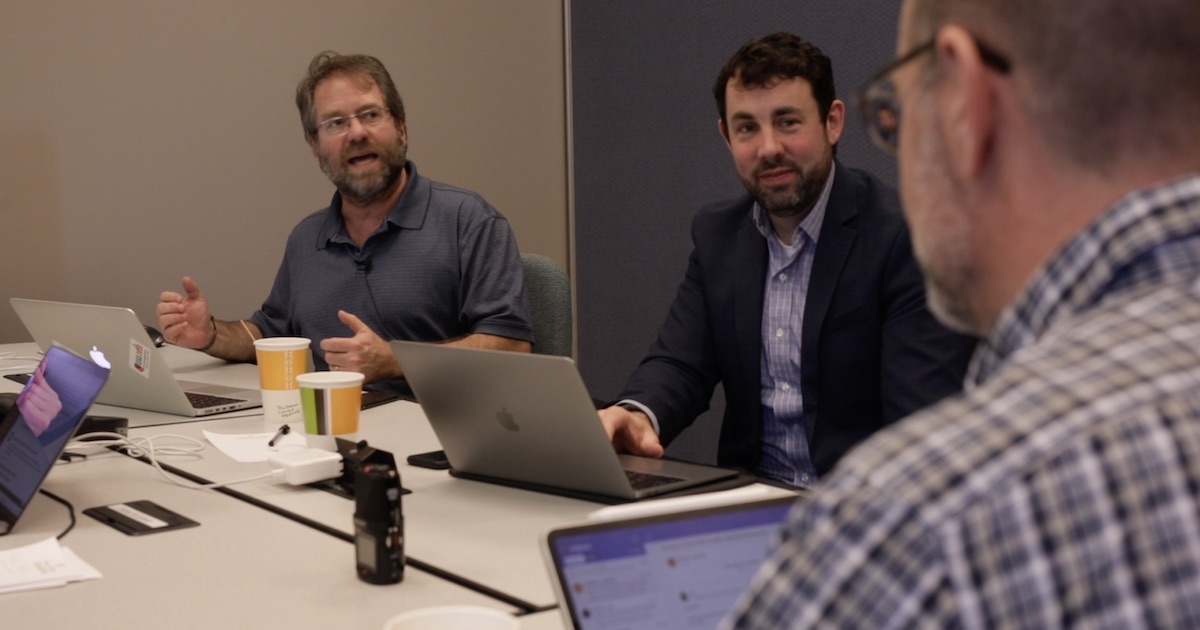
(364, 352)
(185, 319)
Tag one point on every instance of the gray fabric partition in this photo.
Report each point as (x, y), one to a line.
(647, 153)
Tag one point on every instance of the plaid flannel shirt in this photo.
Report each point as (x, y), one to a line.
(1061, 489)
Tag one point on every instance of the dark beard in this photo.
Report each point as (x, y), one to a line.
(797, 200)
(368, 190)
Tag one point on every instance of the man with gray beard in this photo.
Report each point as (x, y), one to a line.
(394, 256)
(801, 298)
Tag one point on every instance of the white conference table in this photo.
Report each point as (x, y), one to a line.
(242, 567)
(484, 533)
(487, 533)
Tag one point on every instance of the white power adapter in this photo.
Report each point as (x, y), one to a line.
(307, 466)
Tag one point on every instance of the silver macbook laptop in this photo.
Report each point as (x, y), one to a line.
(527, 420)
(140, 377)
(674, 570)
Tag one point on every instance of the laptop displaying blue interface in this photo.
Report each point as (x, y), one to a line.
(676, 570)
(38, 425)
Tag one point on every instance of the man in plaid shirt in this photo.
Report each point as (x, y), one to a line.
(1050, 168)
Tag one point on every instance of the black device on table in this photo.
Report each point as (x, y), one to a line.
(378, 524)
(21, 378)
(433, 459)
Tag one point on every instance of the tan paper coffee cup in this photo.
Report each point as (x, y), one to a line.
(331, 402)
(280, 361)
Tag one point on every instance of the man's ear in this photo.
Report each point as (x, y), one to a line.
(835, 121)
(966, 99)
(312, 144)
(723, 129)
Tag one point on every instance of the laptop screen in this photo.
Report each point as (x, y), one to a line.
(36, 428)
(678, 570)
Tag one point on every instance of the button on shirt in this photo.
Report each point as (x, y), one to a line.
(785, 454)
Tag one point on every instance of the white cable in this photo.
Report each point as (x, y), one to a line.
(13, 356)
(145, 447)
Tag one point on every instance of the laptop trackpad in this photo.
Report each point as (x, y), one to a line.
(671, 467)
(653, 476)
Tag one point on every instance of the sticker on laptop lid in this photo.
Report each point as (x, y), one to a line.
(139, 358)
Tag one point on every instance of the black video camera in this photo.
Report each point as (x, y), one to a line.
(378, 524)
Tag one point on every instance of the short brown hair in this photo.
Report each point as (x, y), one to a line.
(761, 62)
(330, 63)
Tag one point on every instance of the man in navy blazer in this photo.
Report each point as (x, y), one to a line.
(802, 297)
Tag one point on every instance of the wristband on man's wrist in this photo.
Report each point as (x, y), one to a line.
(214, 337)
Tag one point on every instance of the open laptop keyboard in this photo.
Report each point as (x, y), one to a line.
(643, 481)
(204, 401)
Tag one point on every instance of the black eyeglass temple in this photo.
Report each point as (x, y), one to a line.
(992, 58)
(989, 55)
(899, 61)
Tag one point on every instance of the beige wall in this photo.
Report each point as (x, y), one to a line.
(141, 140)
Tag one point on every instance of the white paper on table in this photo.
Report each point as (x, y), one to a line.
(252, 447)
(45, 564)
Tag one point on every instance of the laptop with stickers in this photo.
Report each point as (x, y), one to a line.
(39, 422)
(141, 378)
(678, 568)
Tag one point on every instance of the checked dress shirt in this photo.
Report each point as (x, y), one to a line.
(1061, 489)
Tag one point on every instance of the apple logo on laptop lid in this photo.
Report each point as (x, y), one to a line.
(505, 418)
(98, 358)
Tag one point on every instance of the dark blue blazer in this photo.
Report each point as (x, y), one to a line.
(871, 351)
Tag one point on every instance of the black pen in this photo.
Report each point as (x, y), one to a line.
(283, 430)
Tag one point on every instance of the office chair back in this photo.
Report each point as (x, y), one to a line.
(549, 290)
